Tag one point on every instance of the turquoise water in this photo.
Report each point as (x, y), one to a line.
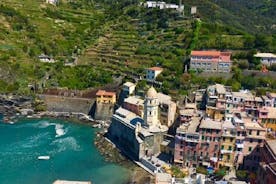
(73, 155)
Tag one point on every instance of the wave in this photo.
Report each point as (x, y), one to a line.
(67, 143)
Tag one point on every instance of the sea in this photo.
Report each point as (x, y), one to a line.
(69, 145)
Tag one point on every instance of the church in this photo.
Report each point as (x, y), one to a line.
(135, 136)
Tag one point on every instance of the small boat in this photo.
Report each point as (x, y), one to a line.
(11, 122)
(43, 157)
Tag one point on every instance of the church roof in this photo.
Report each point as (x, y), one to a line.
(152, 93)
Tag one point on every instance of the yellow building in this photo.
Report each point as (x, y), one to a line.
(215, 113)
(106, 97)
(227, 148)
(269, 120)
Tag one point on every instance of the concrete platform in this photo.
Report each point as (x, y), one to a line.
(71, 182)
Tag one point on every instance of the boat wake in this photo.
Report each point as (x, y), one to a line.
(59, 130)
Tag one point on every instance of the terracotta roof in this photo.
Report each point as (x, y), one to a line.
(103, 92)
(206, 53)
(156, 68)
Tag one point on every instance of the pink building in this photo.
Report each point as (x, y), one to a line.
(135, 105)
(187, 144)
(211, 61)
(210, 134)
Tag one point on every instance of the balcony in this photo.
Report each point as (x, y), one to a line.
(239, 145)
(226, 151)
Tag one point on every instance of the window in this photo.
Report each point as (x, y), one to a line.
(222, 147)
(231, 139)
(230, 148)
(258, 132)
(228, 157)
(202, 138)
(215, 155)
(251, 140)
(181, 153)
(250, 132)
(201, 153)
(250, 149)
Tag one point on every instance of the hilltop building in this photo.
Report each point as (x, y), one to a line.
(152, 73)
(267, 59)
(53, 2)
(211, 61)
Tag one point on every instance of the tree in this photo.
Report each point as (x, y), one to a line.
(243, 64)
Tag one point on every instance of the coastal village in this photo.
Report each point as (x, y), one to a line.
(214, 134)
(208, 135)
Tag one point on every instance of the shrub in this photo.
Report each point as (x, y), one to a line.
(202, 170)
(242, 175)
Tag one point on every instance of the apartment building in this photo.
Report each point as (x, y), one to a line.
(211, 61)
(167, 109)
(227, 148)
(210, 137)
(187, 141)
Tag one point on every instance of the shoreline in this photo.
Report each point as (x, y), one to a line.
(111, 154)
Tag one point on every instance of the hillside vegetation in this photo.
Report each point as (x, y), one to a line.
(113, 37)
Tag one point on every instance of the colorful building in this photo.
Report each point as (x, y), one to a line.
(103, 96)
(210, 136)
(227, 147)
(134, 104)
(211, 61)
(153, 72)
(167, 109)
(187, 141)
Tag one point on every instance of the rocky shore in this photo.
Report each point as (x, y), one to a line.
(112, 154)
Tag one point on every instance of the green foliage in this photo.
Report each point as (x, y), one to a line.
(176, 172)
(242, 175)
(202, 170)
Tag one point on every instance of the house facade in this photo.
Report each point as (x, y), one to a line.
(211, 61)
(152, 73)
(267, 59)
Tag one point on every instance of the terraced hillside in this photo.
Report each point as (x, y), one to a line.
(119, 37)
(128, 47)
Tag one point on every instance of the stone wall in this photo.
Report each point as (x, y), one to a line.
(103, 111)
(67, 104)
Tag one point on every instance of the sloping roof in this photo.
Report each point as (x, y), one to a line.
(134, 100)
(128, 84)
(156, 68)
(210, 124)
(270, 55)
(206, 53)
(103, 92)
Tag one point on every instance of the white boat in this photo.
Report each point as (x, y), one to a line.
(43, 157)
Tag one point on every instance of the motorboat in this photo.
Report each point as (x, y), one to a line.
(43, 157)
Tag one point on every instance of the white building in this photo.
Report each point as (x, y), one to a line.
(266, 58)
(153, 72)
(46, 59)
(129, 87)
(162, 5)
